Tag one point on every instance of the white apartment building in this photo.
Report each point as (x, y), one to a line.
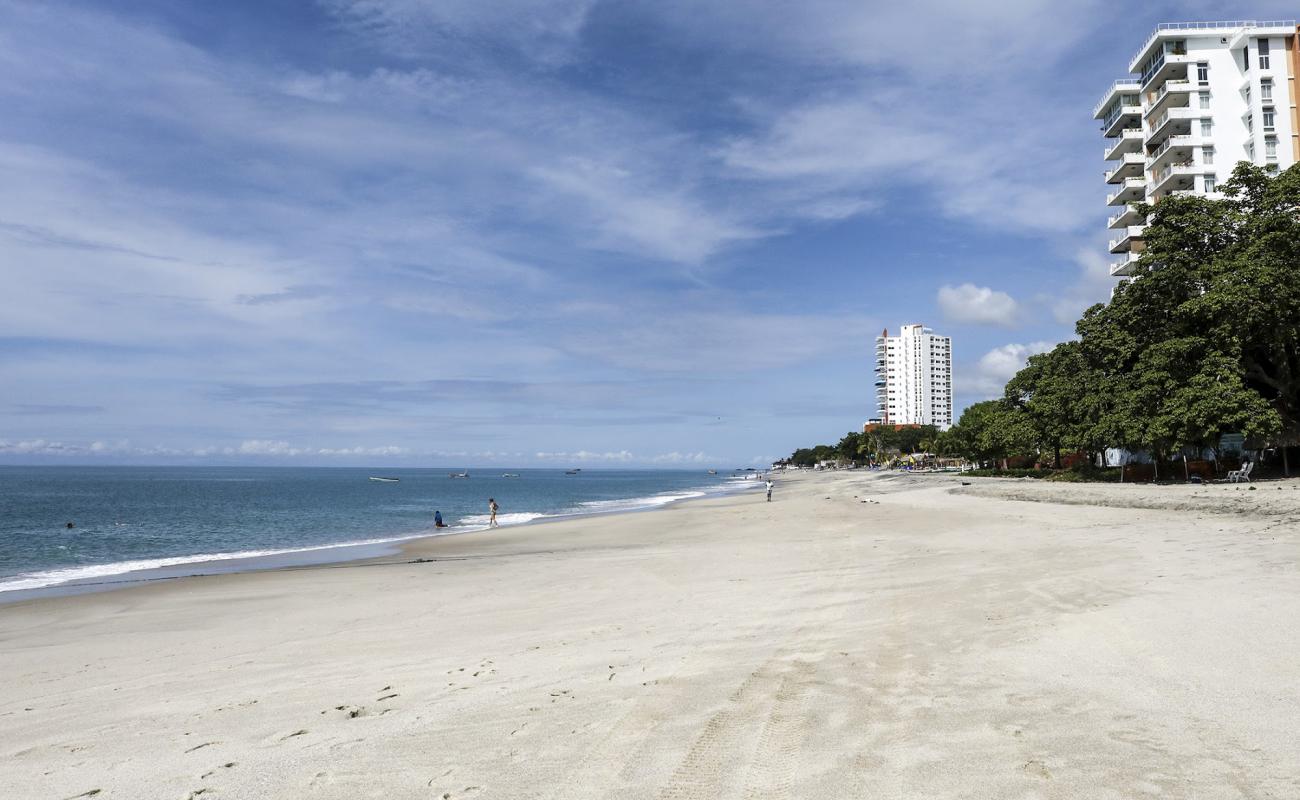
(914, 378)
(1207, 95)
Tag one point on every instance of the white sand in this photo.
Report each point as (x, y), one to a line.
(931, 645)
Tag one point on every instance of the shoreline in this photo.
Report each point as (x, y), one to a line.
(205, 565)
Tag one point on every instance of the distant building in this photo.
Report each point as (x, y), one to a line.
(913, 378)
(1203, 97)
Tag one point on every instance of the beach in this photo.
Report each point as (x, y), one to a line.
(1006, 639)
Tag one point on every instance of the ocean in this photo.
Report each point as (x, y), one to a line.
(192, 519)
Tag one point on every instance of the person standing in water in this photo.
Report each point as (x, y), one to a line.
(437, 520)
(769, 490)
(492, 509)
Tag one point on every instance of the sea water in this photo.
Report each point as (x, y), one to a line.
(127, 519)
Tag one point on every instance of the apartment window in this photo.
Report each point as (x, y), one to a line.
(1270, 148)
(1209, 183)
(1205, 99)
(1266, 89)
(1245, 59)
(1268, 118)
(1250, 122)
(1250, 150)
(1246, 94)
(1203, 73)
(1207, 127)
(1207, 155)
(1263, 53)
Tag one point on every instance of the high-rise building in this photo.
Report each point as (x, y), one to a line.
(1207, 95)
(914, 378)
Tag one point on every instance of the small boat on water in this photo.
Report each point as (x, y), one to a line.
(458, 475)
(713, 472)
(384, 480)
(572, 471)
(510, 474)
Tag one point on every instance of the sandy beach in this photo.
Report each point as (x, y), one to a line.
(1007, 639)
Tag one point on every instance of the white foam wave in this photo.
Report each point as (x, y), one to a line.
(474, 522)
(478, 521)
(42, 579)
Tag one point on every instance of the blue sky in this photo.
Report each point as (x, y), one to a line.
(525, 232)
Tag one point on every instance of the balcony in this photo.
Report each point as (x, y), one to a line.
(1172, 94)
(1121, 86)
(1121, 117)
(1125, 266)
(1173, 122)
(1128, 217)
(1131, 191)
(1172, 150)
(1130, 167)
(1164, 67)
(1174, 177)
(1130, 242)
(1129, 141)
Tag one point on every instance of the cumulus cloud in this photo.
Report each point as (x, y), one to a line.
(979, 305)
(1092, 284)
(999, 365)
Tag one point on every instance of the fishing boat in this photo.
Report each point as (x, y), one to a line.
(378, 479)
(713, 472)
(510, 474)
(458, 475)
(572, 471)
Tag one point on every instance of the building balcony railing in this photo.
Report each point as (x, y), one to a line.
(1131, 191)
(1180, 175)
(1163, 67)
(1178, 88)
(1126, 116)
(1118, 87)
(1128, 141)
(1130, 167)
(1228, 25)
(1171, 148)
(1170, 122)
(1132, 235)
(1125, 266)
(1129, 216)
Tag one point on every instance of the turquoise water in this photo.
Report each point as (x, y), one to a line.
(134, 518)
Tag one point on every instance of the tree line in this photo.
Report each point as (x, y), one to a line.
(1203, 341)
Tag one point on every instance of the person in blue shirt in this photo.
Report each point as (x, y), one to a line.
(437, 520)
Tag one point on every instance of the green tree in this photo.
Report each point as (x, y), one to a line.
(991, 431)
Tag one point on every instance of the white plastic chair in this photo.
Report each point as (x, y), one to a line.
(1242, 474)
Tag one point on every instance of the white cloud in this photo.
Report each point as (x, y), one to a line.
(979, 305)
(1091, 285)
(683, 458)
(620, 456)
(999, 365)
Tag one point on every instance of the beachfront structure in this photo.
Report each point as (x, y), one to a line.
(914, 378)
(1206, 96)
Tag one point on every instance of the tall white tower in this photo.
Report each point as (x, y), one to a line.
(914, 378)
(1206, 96)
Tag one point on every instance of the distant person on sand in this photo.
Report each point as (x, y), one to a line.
(437, 520)
(492, 509)
(769, 490)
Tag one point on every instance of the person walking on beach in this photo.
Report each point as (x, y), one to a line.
(492, 509)
(769, 490)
